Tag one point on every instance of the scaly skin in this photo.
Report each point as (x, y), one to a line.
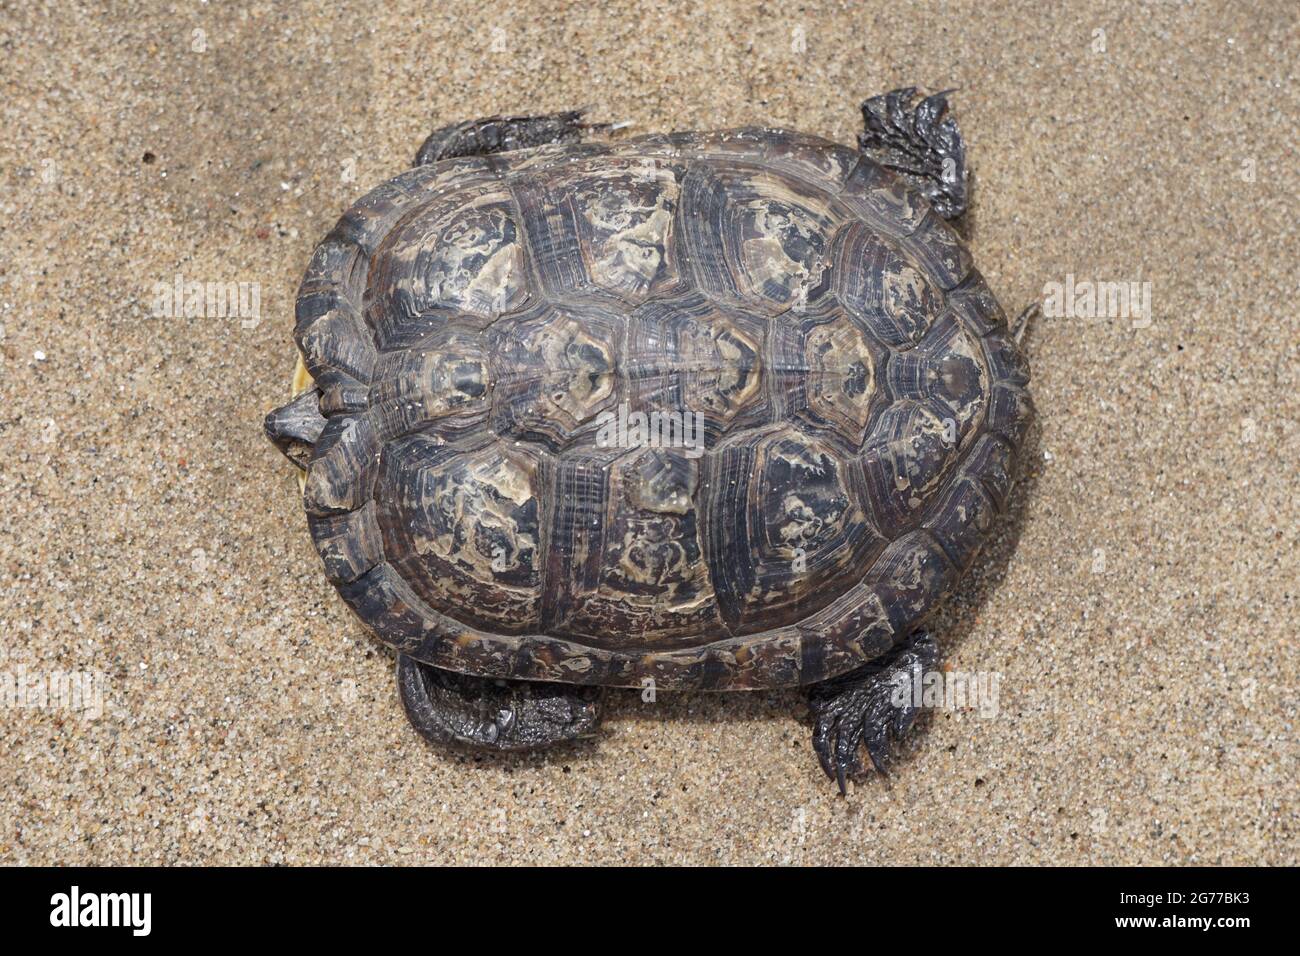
(482, 714)
(920, 143)
(496, 134)
(856, 711)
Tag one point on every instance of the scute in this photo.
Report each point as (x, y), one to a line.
(692, 354)
(491, 334)
(443, 383)
(830, 373)
(946, 373)
(554, 370)
(785, 523)
(460, 253)
(754, 237)
(882, 287)
(625, 551)
(603, 225)
(462, 525)
(905, 463)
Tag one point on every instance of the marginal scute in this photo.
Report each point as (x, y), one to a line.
(805, 157)
(349, 542)
(342, 394)
(975, 306)
(342, 470)
(335, 264)
(962, 520)
(1010, 412)
(854, 627)
(939, 250)
(909, 578)
(728, 663)
(810, 158)
(391, 608)
(883, 200)
(368, 222)
(992, 462)
(515, 164)
(1007, 363)
(332, 339)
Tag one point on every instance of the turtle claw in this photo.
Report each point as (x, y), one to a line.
(857, 711)
(479, 713)
(921, 143)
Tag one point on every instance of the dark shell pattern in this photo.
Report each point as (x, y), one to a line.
(474, 323)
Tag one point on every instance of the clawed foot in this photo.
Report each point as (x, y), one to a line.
(921, 143)
(497, 134)
(868, 708)
(482, 713)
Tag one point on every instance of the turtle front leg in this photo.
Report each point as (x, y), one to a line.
(921, 143)
(481, 713)
(868, 708)
(496, 134)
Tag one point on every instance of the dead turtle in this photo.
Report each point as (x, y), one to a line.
(701, 411)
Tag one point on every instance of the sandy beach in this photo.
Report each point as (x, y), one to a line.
(1138, 603)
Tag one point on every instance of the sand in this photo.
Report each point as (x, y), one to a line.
(1139, 604)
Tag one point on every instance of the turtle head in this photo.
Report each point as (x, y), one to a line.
(295, 426)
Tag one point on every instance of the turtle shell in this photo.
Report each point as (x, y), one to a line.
(495, 339)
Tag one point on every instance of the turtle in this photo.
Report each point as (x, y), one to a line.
(701, 411)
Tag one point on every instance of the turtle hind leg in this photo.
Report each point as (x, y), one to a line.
(921, 143)
(861, 710)
(496, 134)
(486, 714)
